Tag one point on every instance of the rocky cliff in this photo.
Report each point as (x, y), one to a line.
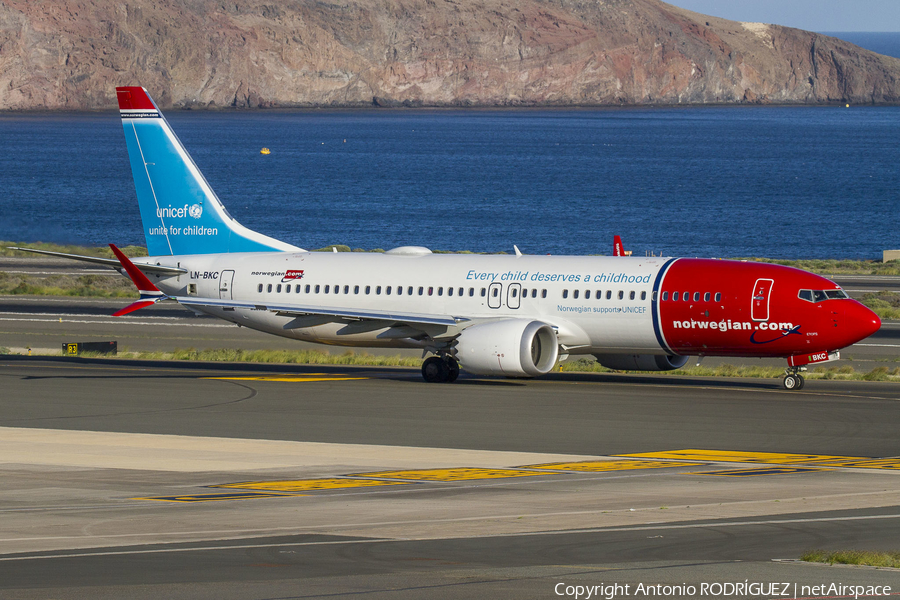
(418, 52)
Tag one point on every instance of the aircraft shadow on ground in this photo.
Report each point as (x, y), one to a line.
(189, 369)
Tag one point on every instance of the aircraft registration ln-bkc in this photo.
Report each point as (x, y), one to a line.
(507, 315)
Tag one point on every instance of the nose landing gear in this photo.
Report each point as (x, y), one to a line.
(793, 380)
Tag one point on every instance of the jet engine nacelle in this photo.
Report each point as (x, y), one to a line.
(641, 362)
(511, 347)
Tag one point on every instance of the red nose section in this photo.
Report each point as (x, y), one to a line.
(862, 321)
(869, 321)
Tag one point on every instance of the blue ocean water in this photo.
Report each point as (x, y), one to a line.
(882, 42)
(794, 182)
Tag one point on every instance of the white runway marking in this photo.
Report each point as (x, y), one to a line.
(649, 527)
(117, 321)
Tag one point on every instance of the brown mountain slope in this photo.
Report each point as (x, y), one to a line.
(420, 52)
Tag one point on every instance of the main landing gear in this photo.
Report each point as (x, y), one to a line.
(440, 369)
(793, 380)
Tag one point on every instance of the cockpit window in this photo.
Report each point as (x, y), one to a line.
(820, 295)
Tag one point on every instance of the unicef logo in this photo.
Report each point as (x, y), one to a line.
(195, 211)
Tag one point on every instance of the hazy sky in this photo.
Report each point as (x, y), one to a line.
(812, 15)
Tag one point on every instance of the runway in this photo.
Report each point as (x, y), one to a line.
(145, 479)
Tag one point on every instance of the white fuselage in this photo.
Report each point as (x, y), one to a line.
(558, 290)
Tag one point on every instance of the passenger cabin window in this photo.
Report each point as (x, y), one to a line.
(706, 297)
(327, 288)
(449, 291)
(378, 290)
(495, 292)
(621, 294)
(574, 294)
(460, 292)
(643, 295)
(543, 293)
(471, 292)
(269, 288)
(368, 289)
(421, 290)
(631, 295)
(609, 294)
(718, 296)
(430, 290)
(696, 296)
(355, 289)
(440, 291)
(409, 291)
(346, 289)
(565, 293)
(665, 296)
(297, 290)
(483, 292)
(675, 296)
(387, 290)
(399, 290)
(259, 288)
(278, 289)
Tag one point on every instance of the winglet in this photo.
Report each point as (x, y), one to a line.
(150, 294)
(618, 249)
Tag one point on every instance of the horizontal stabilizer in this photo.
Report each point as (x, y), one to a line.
(109, 262)
(150, 294)
(133, 307)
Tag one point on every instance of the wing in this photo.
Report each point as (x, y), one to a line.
(298, 310)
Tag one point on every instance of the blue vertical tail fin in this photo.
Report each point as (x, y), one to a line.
(180, 212)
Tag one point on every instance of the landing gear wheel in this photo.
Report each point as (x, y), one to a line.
(802, 381)
(435, 370)
(793, 382)
(453, 366)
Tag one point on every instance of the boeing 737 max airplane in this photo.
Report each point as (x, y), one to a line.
(489, 315)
